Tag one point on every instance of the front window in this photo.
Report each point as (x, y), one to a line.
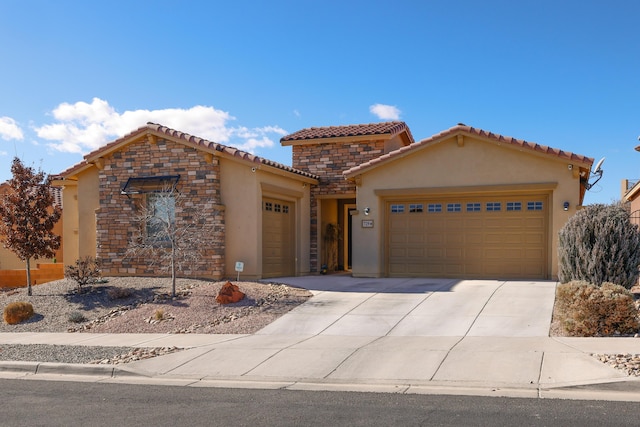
(161, 218)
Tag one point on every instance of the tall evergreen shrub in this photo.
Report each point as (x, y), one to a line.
(600, 244)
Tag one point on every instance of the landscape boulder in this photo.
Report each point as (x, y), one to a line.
(229, 293)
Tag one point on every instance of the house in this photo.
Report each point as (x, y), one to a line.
(630, 190)
(366, 198)
(13, 269)
(463, 203)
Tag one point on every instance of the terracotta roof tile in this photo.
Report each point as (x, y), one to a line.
(189, 139)
(383, 128)
(462, 128)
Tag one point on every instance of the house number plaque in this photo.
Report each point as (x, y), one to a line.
(367, 223)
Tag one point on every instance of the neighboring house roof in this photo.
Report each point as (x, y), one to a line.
(462, 129)
(185, 138)
(55, 192)
(633, 192)
(389, 129)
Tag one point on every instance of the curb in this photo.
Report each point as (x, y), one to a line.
(54, 368)
(628, 391)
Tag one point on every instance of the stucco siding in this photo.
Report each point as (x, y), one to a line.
(446, 167)
(88, 200)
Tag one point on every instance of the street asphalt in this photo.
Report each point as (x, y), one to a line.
(432, 336)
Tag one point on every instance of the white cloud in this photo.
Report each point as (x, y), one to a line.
(82, 127)
(385, 112)
(9, 129)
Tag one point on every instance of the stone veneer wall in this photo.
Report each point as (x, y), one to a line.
(199, 180)
(328, 161)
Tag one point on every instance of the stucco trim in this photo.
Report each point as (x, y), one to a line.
(337, 196)
(475, 189)
(280, 191)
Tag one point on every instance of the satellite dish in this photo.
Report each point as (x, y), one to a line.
(597, 174)
(599, 166)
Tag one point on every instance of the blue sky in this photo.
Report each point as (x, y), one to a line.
(75, 75)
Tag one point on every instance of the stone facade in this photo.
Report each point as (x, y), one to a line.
(328, 161)
(115, 218)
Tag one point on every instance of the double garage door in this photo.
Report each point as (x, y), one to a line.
(278, 238)
(501, 237)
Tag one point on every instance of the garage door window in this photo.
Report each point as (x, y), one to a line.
(454, 207)
(416, 208)
(534, 206)
(268, 206)
(494, 206)
(514, 206)
(473, 207)
(434, 207)
(397, 208)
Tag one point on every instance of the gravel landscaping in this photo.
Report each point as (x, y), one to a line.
(145, 307)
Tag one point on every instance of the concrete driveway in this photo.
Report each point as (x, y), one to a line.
(347, 306)
(395, 335)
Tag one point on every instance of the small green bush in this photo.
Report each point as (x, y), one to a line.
(600, 244)
(76, 317)
(590, 311)
(86, 270)
(17, 312)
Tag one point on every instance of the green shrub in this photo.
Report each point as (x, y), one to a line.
(17, 312)
(600, 244)
(86, 270)
(588, 310)
(76, 317)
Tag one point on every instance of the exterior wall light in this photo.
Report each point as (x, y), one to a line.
(366, 211)
(565, 206)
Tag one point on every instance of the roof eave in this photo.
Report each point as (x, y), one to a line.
(633, 192)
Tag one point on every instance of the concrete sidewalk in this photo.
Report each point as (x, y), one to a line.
(406, 336)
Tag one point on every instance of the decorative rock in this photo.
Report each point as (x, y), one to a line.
(229, 293)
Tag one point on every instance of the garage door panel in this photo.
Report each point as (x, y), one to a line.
(436, 238)
(472, 241)
(454, 237)
(416, 253)
(435, 253)
(533, 223)
(514, 238)
(415, 238)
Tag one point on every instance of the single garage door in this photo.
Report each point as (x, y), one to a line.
(468, 237)
(278, 238)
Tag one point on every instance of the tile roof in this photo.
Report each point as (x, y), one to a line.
(383, 128)
(194, 141)
(464, 129)
(55, 192)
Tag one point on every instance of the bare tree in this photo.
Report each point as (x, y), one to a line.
(28, 215)
(171, 232)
